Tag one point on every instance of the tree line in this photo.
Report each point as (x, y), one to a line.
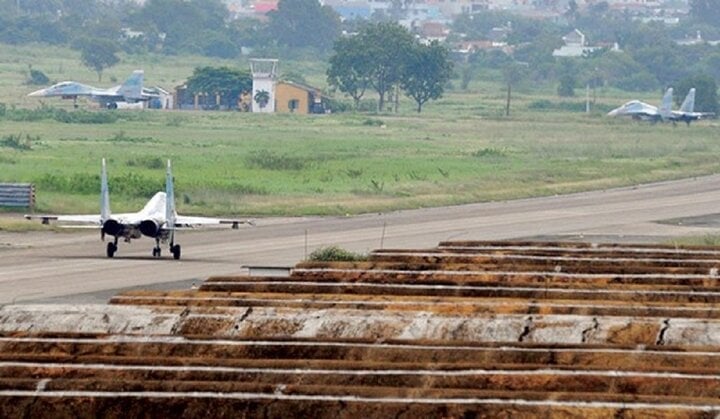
(203, 27)
(386, 57)
(649, 58)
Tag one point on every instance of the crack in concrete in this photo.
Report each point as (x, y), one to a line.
(661, 334)
(586, 333)
(526, 330)
(183, 315)
(242, 318)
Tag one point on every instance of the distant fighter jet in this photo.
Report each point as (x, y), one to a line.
(131, 91)
(643, 111)
(157, 220)
(687, 112)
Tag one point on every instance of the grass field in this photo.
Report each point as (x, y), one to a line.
(460, 149)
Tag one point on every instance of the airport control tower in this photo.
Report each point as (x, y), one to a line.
(264, 74)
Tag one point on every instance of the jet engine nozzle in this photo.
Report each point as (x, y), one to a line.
(112, 228)
(150, 228)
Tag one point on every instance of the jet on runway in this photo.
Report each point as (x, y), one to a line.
(643, 111)
(131, 91)
(157, 220)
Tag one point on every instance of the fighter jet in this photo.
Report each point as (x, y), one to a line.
(642, 111)
(157, 220)
(687, 112)
(131, 91)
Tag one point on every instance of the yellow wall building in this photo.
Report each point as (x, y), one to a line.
(297, 98)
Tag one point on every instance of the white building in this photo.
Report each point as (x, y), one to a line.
(575, 45)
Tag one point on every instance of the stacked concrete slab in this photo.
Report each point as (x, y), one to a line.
(462, 330)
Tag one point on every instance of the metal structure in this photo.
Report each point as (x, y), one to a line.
(264, 72)
(17, 195)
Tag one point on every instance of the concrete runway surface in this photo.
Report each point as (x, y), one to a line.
(72, 267)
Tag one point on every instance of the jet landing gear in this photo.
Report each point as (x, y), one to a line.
(156, 250)
(112, 248)
(174, 249)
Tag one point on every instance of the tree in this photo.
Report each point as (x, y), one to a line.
(226, 82)
(386, 45)
(98, 54)
(304, 23)
(513, 72)
(711, 64)
(566, 88)
(182, 21)
(349, 68)
(706, 98)
(619, 69)
(218, 44)
(664, 61)
(705, 11)
(572, 13)
(426, 71)
(466, 75)
(568, 78)
(262, 97)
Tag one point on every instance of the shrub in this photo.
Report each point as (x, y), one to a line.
(60, 115)
(37, 77)
(146, 162)
(18, 142)
(264, 159)
(121, 137)
(84, 117)
(129, 185)
(489, 152)
(373, 122)
(78, 183)
(335, 254)
(338, 106)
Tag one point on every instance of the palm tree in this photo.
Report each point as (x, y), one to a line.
(262, 97)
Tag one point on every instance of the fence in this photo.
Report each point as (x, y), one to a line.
(20, 195)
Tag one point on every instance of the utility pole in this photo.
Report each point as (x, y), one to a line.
(587, 98)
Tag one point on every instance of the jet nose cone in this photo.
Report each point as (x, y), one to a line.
(40, 92)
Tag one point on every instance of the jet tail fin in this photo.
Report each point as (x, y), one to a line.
(666, 106)
(169, 198)
(104, 195)
(131, 89)
(688, 104)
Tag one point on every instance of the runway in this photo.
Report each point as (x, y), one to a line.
(72, 267)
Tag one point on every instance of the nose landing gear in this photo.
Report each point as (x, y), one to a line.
(156, 250)
(112, 248)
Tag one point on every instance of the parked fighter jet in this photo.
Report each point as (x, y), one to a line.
(643, 111)
(640, 110)
(687, 112)
(157, 220)
(131, 91)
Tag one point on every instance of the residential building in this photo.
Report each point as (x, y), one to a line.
(575, 45)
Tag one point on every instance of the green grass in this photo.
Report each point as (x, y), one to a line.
(15, 224)
(460, 149)
(703, 240)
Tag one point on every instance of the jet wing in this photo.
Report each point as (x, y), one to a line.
(84, 220)
(187, 221)
(80, 219)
